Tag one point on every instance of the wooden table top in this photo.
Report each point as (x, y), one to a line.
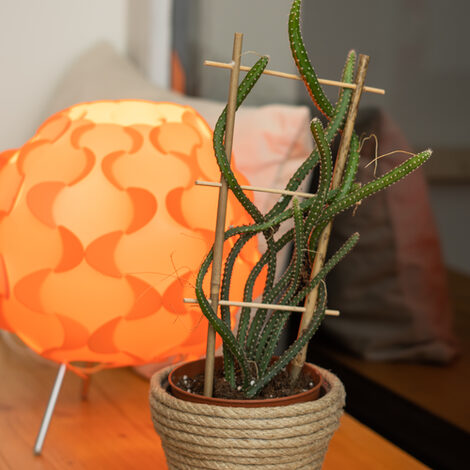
(113, 429)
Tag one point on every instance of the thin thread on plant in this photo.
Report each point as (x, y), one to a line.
(175, 275)
(182, 283)
(201, 316)
(147, 289)
(165, 275)
(388, 154)
(175, 269)
(195, 237)
(356, 206)
(256, 53)
(363, 141)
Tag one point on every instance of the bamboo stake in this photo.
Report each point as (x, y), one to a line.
(221, 212)
(323, 81)
(259, 189)
(310, 304)
(285, 308)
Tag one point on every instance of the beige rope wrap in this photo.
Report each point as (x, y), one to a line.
(206, 437)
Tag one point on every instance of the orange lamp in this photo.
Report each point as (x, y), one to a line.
(102, 231)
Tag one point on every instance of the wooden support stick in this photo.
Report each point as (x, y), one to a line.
(286, 308)
(221, 212)
(259, 189)
(310, 304)
(323, 81)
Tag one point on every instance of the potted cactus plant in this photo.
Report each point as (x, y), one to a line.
(275, 412)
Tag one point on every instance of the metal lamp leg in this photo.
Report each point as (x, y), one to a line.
(49, 410)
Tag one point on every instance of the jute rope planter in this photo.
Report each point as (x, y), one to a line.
(206, 437)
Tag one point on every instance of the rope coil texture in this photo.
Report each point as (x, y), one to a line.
(205, 437)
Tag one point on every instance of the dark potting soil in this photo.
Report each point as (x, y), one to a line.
(280, 386)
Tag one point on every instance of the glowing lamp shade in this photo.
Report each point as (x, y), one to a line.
(102, 231)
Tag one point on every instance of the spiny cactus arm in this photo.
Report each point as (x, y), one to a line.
(347, 246)
(255, 341)
(274, 221)
(229, 363)
(254, 331)
(334, 193)
(301, 58)
(314, 238)
(326, 168)
(298, 257)
(270, 259)
(351, 167)
(261, 313)
(335, 125)
(269, 343)
(276, 323)
(219, 326)
(249, 286)
(376, 185)
(347, 185)
(302, 61)
(256, 325)
(358, 193)
(243, 90)
(218, 140)
(293, 350)
(337, 121)
(257, 228)
(299, 246)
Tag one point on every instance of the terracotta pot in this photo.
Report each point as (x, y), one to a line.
(191, 369)
(199, 436)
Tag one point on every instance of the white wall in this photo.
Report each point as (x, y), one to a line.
(38, 40)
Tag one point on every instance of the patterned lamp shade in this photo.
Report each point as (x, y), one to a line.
(102, 231)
